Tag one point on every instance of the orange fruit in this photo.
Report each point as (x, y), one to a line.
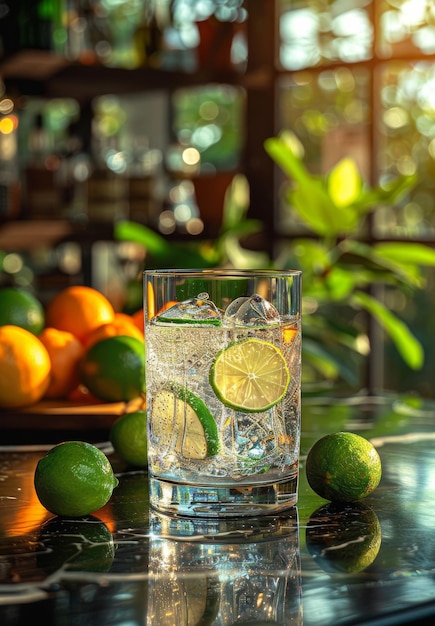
(21, 308)
(82, 395)
(122, 324)
(138, 319)
(65, 352)
(78, 310)
(25, 367)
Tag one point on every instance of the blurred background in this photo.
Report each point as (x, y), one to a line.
(153, 115)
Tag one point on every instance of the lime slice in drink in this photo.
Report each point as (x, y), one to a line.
(182, 421)
(199, 310)
(250, 375)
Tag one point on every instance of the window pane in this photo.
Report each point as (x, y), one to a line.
(407, 28)
(329, 112)
(407, 145)
(317, 33)
(209, 119)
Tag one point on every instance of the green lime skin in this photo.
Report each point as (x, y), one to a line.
(21, 308)
(73, 479)
(128, 436)
(344, 537)
(77, 544)
(113, 369)
(177, 411)
(343, 467)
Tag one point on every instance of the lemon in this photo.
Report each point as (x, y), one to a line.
(78, 544)
(113, 369)
(21, 308)
(343, 466)
(128, 436)
(25, 367)
(344, 537)
(250, 375)
(181, 420)
(74, 478)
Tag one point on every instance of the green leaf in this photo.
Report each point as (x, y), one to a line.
(330, 366)
(314, 207)
(384, 267)
(389, 193)
(407, 345)
(241, 257)
(345, 183)
(162, 253)
(153, 243)
(406, 253)
(236, 203)
(285, 151)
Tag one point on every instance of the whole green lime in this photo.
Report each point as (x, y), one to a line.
(344, 537)
(113, 369)
(128, 436)
(74, 478)
(21, 308)
(343, 467)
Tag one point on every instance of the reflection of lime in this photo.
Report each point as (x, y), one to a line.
(182, 421)
(187, 599)
(250, 375)
(74, 478)
(343, 466)
(128, 436)
(344, 537)
(76, 544)
(202, 599)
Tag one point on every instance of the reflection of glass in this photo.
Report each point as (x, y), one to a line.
(223, 573)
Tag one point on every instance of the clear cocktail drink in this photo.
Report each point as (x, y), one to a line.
(223, 390)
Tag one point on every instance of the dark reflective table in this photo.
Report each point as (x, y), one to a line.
(320, 564)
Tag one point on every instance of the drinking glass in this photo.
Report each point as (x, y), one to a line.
(223, 373)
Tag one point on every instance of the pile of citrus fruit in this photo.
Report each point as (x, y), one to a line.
(74, 348)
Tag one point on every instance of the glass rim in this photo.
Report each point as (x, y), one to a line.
(224, 272)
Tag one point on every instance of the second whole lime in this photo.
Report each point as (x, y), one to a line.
(343, 467)
(113, 369)
(128, 436)
(21, 308)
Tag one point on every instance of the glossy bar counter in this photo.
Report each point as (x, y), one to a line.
(318, 565)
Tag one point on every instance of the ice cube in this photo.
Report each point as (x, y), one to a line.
(251, 311)
(195, 310)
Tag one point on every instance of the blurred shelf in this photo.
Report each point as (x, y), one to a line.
(19, 236)
(39, 73)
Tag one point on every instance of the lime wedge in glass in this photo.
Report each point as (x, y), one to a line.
(250, 375)
(199, 310)
(181, 420)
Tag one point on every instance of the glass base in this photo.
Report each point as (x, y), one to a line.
(222, 500)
